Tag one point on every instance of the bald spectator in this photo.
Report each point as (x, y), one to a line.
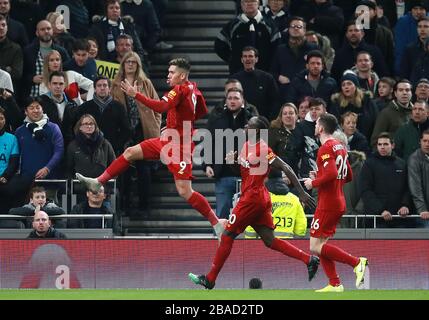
(34, 55)
(42, 228)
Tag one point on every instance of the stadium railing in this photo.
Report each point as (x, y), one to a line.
(54, 188)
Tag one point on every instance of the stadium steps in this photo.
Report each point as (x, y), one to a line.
(191, 26)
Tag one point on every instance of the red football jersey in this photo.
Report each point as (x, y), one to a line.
(333, 171)
(186, 103)
(254, 163)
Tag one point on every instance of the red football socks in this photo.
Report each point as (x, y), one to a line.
(199, 203)
(336, 254)
(330, 271)
(290, 250)
(222, 253)
(118, 166)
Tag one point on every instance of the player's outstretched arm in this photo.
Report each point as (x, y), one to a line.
(155, 105)
(303, 196)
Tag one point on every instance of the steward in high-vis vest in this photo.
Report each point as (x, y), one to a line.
(288, 214)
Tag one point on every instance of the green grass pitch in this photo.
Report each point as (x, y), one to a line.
(187, 294)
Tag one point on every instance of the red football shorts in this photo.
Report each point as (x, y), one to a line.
(324, 223)
(176, 157)
(254, 209)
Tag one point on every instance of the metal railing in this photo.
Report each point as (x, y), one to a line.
(49, 182)
(103, 217)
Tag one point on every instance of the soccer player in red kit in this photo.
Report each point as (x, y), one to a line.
(333, 171)
(254, 206)
(184, 104)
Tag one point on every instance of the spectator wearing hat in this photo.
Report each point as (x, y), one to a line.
(378, 34)
(352, 98)
(406, 29)
(414, 51)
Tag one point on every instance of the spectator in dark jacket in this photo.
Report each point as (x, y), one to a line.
(289, 58)
(415, 50)
(383, 185)
(234, 116)
(314, 81)
(80, 62)
(106, 29)
(277, 11)
(406, 29)
(408, 135)
(384, 92)
(260, 88)
(345, 57)
(17, 32)
(94, 204)
(43, 229)
(353, 98)
(12, 112)
(325, 18)
(421, 66)
(303, 146)
(39, 201)
(11, 58)
(356, 141)
(34, 54)
(378, 35)
(280, 132)
(418, 178)
(89, 153)
(248, 29)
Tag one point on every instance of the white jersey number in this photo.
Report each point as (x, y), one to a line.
(341, 164)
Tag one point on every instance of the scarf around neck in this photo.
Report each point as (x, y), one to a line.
(36, 128)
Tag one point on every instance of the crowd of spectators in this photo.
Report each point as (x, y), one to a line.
(289, 60)
(364, 61)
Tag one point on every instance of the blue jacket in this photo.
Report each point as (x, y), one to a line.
(46, 152)
(405, 34)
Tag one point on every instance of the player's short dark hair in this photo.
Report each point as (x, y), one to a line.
(235, 90)
(385, 135)
(388, 80)
(255, 283)
(29, 101)
(181, 63)
(107, 3)
(315, 54)
(125, 36)
(250, 48)
(351, 22)
(262, 122)
(81, 44)
(56, 74)
(329, 123)
(317, 102)
(402, 81)
(102, 77)
(363, 52)
(423, 133)
(36, 189)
